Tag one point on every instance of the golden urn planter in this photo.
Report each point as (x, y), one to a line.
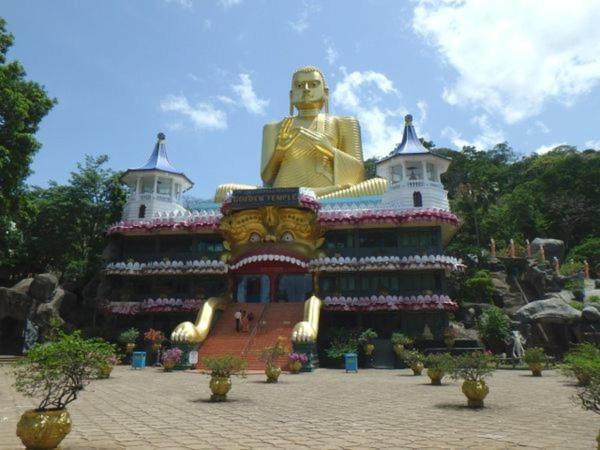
(43, 429)
(104, 371)
(368, 348)
(156, 346)
(417, 368)
(436, 376)
(475, 391)
(129, 347)
(272, 373)
(449, 342)
(398, 349)
(536, 369)
(168, 366)
(295, 367)
(219, 387)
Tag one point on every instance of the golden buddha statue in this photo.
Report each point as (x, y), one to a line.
(313, 149)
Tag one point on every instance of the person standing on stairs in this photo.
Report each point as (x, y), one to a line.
(244, 322)
(238, 319)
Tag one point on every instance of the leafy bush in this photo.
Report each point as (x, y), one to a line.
(402, 339)
(494, 326)
(571, 268)
(478, 288)
(224, 366)
(593, 299)
(340, 346)
(577, 305)
(535, 355)
(411, 357)
(366, 336)
(271, 353)
(57, 370)
(129, 336)
(588, 250)
(582, 362)
(473, 366)
(590, 394)
(442, 361)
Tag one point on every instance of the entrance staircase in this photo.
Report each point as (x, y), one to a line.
(271, 320)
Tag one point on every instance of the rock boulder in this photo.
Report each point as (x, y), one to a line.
(552, 248)
(43, 286)
(590, 314)
(554, 309)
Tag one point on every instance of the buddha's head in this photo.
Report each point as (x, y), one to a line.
(309, 90)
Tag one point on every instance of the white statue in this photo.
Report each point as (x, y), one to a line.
(517, 345)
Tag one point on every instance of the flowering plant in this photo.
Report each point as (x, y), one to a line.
(113, 360)
(172, 355)
(297, 357)
(154, 336)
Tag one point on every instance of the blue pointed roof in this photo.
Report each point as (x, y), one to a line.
(410, 144)
(159, 160)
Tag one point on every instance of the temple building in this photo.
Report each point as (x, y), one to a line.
(343, 253)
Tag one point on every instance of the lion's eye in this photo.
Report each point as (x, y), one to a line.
(287, 237)
(254, 237)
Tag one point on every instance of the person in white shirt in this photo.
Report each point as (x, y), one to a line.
(238, 318)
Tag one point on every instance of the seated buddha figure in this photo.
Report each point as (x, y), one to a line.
(313, 149)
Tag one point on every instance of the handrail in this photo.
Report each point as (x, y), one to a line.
(254, 331)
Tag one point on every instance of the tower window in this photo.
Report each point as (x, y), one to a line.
(163, 186)
(142, 212)
(397, 173)
(431, 172)
(417, 199)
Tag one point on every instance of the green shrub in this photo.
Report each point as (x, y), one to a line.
(411, 357)
(129, 336)
(535, 355)
(494, 326)
(474, 366)
(582, 362)
(442, 361)
(577, 305)
(402, 339)
(341, 345)
(478, 288)
(366, 336)
(593, 299)
(57, 370)
(223, 366)
(571, 268)
(588, 250)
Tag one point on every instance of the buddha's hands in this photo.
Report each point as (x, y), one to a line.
(320, 141)
(303, 332)
(185, 332)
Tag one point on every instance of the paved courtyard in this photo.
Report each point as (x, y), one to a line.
(327, 409)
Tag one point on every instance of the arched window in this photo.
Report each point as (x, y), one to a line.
(142, 212)
(417, 199)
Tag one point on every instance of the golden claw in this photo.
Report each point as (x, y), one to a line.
(186, 332)
(304, 332)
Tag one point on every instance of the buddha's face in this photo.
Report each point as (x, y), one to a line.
(308, 90)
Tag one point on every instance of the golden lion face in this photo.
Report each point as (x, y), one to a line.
(272, 230)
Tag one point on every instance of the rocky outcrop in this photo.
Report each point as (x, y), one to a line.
(590, 314)
(552, 248)
(38, 301)
(553, 310)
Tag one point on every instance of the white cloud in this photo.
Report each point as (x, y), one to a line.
(486, 139)
(360, 94)
(301, 23)
(546, 148)
(207, 24)
(203, 115)
(331, 53)
(422, 105)
(512, 56)
(226, 4)
(542, 126)
(226, 100)
(187, 4)
(594, 143)
(248, 97)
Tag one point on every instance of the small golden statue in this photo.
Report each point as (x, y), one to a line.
(313, 149)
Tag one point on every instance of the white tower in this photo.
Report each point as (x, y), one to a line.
(156, 187)
(413, 174)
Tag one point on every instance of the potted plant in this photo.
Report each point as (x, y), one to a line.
(400, 342)
(155, 337)
(296, 361)
(339, 346)
(270, 355)
(128, 337)
(55, 372)
(221, 368)
(171, 357)
(473, 368)
(438, 364)
(365, 338)
(450, 335)
(535, 359)
(106, 366)
(414, 359)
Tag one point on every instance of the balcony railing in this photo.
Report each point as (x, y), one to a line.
(153, 196)
(384, 251)
(418, 184)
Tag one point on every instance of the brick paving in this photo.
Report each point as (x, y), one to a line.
(327, 409)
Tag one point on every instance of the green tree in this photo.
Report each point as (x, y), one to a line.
(24, 104)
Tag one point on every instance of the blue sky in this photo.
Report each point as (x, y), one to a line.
(210, 73)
